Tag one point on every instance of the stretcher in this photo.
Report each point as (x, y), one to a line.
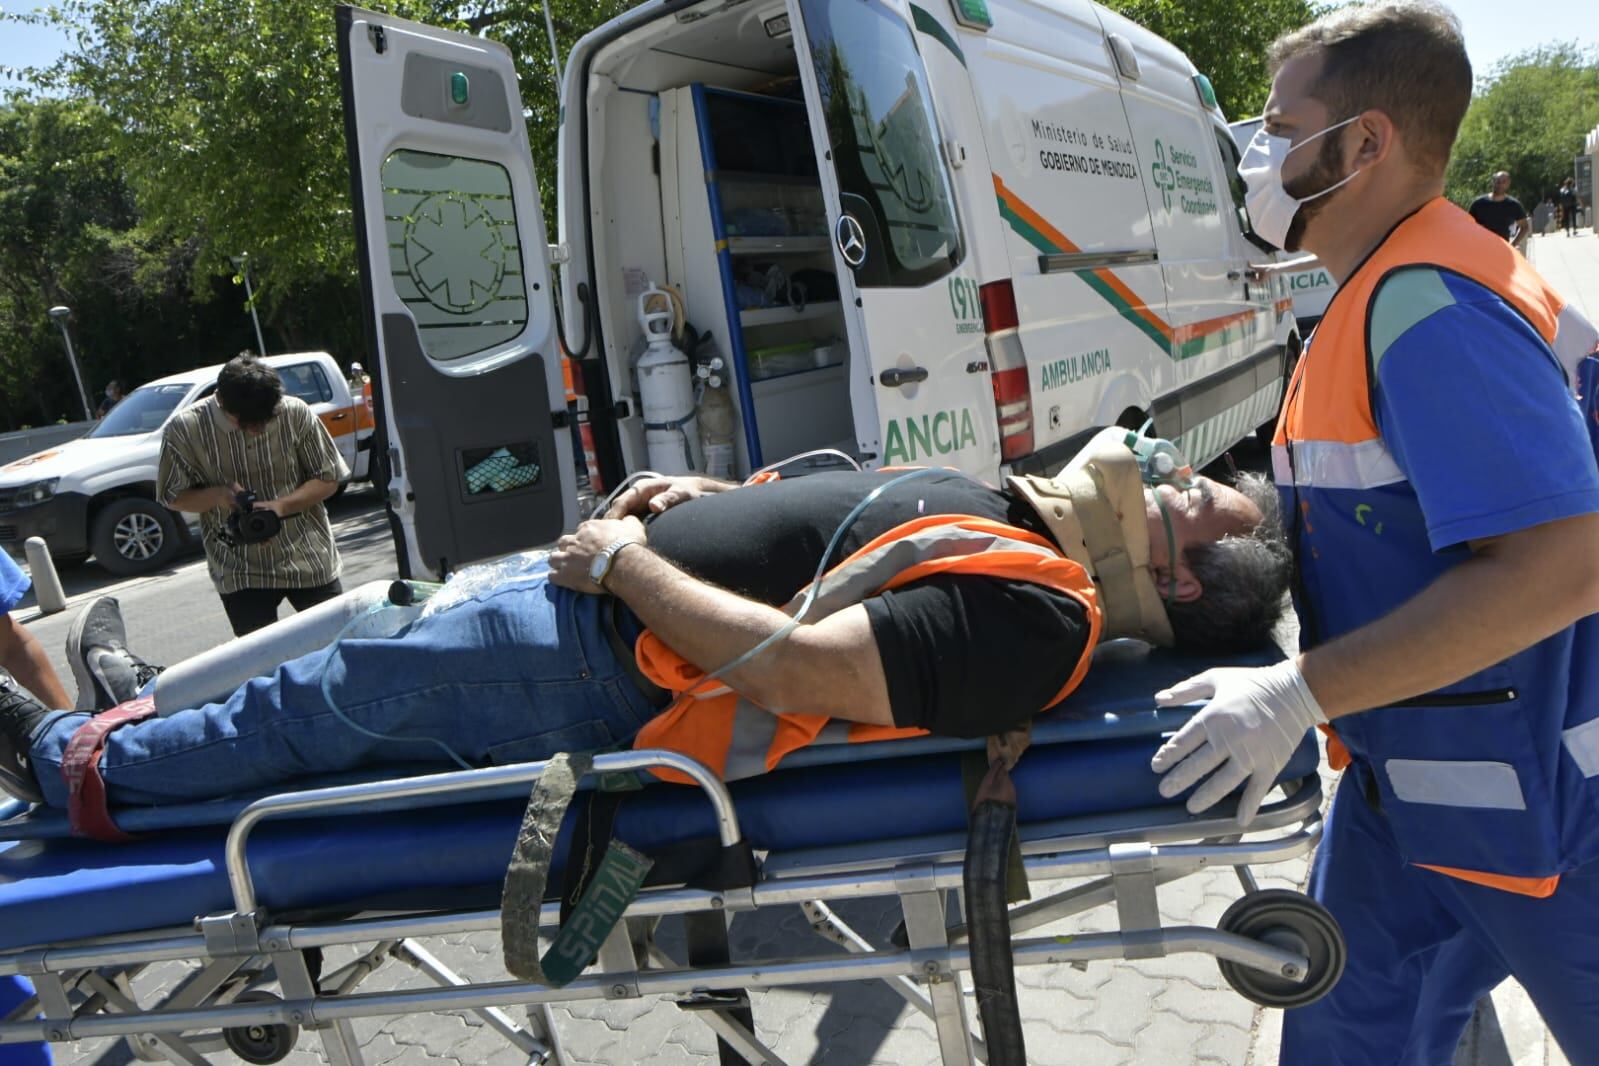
(250, 891)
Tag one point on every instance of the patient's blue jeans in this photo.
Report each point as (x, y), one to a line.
(513, 675)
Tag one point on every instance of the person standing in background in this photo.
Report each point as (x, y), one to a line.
(113, 396)
(250, 436)
(1569, 203)
(1501, 213)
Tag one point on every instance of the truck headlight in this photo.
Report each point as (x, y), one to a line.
(37, 492)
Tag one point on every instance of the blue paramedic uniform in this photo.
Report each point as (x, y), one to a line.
(1434, 407)
(13, 990)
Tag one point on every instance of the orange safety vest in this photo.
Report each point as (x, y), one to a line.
(1503, 794)
(737, 738)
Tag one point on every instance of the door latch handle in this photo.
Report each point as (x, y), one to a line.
(1235, 275)
(894, 376)
(340, 416)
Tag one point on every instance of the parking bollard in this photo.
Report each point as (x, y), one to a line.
(46, 582)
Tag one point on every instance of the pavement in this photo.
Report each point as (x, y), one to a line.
(1571, 264)
(1172, 1012)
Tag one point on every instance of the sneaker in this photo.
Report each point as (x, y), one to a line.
(107, 673)
(20, 714)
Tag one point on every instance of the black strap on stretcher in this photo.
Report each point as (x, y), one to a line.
(990, 848)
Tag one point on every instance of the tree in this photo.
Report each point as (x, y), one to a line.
(1528, 116)
(69, 234)
(1226, 39)
(63, 208)
(227, 118)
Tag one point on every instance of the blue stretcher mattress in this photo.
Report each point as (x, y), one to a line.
(1089, 758)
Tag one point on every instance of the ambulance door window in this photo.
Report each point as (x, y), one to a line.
(885, 142)
(1235, 185)
(454, 254)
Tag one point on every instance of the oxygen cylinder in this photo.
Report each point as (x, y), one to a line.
(716, 428)
(666, 390)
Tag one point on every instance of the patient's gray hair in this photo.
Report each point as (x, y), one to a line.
(1243, 580)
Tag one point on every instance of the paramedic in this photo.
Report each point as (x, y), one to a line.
(22, 660)
(532, 662)
(1445, 515)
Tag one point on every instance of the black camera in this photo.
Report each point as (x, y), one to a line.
(250, 526)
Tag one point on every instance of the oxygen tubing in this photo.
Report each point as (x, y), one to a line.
(821, 568)
(327, 694)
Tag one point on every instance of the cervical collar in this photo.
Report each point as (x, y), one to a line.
(1095, 511)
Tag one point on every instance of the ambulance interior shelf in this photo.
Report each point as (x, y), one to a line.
(752, 227)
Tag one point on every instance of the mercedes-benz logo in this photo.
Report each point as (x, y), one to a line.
(851, 240)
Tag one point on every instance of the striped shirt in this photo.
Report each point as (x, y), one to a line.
(201, 448)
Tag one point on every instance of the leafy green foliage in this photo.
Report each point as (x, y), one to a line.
(211, 127)
(67, 237)
(1529, 116)
(1226, 39)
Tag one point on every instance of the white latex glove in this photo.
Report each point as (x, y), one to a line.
(1255, 720)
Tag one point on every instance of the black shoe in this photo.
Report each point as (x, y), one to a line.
(20, 714)
(106, 671)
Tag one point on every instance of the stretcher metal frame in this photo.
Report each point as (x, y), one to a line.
(84, 988)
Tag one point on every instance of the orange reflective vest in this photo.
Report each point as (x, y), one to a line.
(1493, 780)
(737, 738)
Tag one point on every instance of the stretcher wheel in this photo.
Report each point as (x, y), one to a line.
(1295, 923)
(261, 1044)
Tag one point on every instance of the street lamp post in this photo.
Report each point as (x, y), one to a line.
(60, 315)
(242, 261)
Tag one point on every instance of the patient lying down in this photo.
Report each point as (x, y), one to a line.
(949, 607)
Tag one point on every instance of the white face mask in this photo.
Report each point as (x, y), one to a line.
(1271, 208)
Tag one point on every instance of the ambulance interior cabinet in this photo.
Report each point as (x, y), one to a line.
(747, 245)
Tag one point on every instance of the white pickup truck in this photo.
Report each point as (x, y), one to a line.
(96, 494)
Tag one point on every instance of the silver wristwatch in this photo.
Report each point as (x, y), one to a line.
(600, 568)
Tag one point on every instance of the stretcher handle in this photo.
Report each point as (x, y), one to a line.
(462, 786)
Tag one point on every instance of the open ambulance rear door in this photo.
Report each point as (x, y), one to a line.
(909, 284)
(456, 276)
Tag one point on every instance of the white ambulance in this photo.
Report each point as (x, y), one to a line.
(1311, 288)
(937, 232)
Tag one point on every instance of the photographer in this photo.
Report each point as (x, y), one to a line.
(256, 465)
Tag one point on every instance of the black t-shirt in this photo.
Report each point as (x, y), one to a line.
(1568, 198)
(964, 656)
(1497, 215)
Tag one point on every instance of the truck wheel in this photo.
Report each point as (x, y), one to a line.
(134, 536)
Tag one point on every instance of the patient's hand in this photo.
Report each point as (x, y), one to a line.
(575, 552)
(653, 495)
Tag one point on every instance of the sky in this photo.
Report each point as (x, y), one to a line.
(1494, 29)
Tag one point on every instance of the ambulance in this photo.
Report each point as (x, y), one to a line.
(951, 232)
(1312, 287)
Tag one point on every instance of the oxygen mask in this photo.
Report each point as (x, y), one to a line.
(1161, 462)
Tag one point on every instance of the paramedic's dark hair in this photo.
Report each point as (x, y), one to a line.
(1404, 58)
(1243, 580)
(249, 390)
